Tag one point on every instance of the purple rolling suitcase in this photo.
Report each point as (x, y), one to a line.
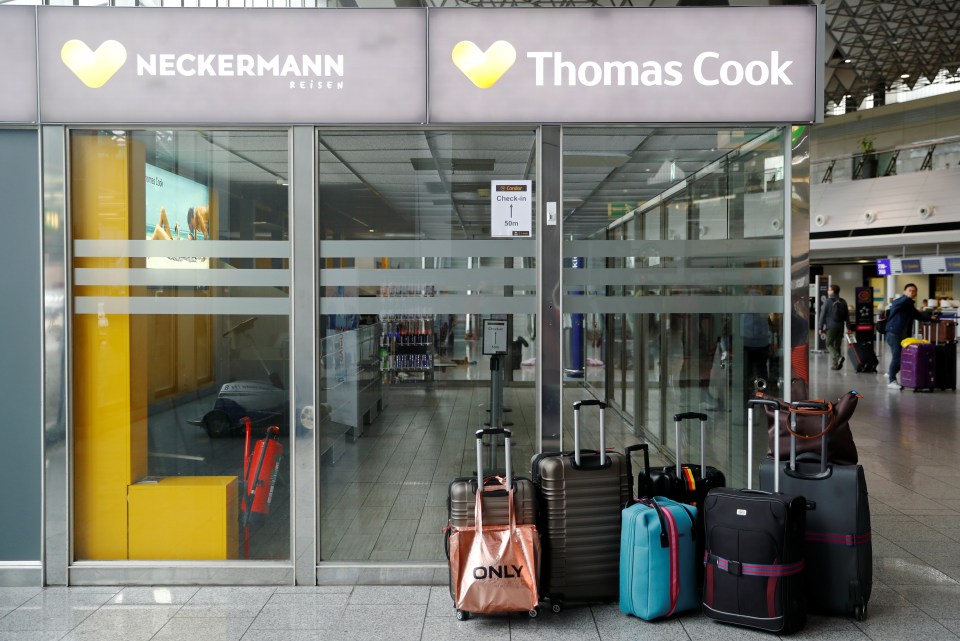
(918, 367)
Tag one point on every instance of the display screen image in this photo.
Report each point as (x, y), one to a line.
(883, 267)
(177, 209)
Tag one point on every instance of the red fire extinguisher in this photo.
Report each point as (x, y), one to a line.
(260, 470)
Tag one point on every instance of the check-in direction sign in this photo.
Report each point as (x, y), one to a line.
(511, 208)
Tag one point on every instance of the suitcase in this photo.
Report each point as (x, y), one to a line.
(683, 482)
(462, 492)
(940, 331)
(754, 552)
(581, 495)
(918, 368)
(658, 559)
(945, 376)
(839, 552)
(863, 357)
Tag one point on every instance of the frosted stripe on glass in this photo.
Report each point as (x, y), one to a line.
(174, 248)
(430, 305)
(735, 249)
(654, 276)
(181, 305)
(183, 277)
(503, 248)
(672, 304)
(460, 279)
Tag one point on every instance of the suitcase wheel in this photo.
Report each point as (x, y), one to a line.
(533, 613)
(860, 612)
(556, 606)
(462, 615)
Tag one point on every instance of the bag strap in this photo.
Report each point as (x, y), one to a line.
(478, 510)
(737, 568)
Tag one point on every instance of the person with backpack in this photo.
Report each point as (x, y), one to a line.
(834, 317)
(899, 325)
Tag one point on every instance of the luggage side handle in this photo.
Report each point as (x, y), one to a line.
(677, 418)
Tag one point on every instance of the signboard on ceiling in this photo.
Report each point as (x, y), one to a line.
(18, 65)
(707, 64)
(146, 65)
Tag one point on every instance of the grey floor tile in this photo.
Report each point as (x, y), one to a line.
(95, 634)
(390, 595)
(153, 595)
(544, 633)
(287, 635)
(900, 624)
(63, 599)
(700, 628)
(901, 571)
(213, 611)
(232, 596)
(132, 618)
(40, 620)
(951, 624)
(364, 622)
(479, 628)
(314, 589)
(614, 625)
(939, 601)
(298, 617)
(32, 635)
(397, 536)
(440, 603)
(203, 629)
(13, 597)
(356, 547)
(308, 600)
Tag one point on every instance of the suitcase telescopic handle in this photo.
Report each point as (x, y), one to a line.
(508, 467)
(646, 462)
(824, 438)
(576, 430)
(677, 418)
(758, 402)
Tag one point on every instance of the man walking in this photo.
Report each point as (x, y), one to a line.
(834, 316)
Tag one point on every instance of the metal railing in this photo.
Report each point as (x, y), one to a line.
(926, 155)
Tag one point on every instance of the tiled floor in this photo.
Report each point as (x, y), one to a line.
(909, 444)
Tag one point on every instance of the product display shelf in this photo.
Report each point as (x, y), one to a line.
(406, 348)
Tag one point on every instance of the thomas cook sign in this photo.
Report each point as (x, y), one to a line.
(720, 64)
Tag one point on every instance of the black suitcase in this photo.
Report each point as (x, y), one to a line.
(683, 482)
(863, 357)
(946, 366)
(839, 552)
(581, 494)
(754, 552)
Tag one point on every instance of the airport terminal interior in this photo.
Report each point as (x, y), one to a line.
(676, 257)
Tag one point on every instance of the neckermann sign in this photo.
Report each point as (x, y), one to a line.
(103, 65)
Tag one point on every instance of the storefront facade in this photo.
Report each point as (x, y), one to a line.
(358, 190)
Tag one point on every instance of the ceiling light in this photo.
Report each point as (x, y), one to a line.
(904, 75)
(847, 60)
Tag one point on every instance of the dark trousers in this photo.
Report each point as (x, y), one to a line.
(834, 340)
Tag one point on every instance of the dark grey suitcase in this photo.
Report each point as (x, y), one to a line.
(462, 493)
(839, 552)
(581, 494)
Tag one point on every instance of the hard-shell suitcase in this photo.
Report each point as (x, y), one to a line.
(946, 365)
(683, 482)
(918, 367)
(839, 552)
(658, 559)
(581, 495)
(462, 493)
(754, 552)
(863, 357)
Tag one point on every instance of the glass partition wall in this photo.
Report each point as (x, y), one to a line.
(675, 264)
(409, 271)
(180, 333)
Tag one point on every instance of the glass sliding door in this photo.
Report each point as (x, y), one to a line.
(411, 265)
(684, 251)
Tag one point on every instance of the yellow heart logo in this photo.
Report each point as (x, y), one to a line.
(94, 68)
(484, 68)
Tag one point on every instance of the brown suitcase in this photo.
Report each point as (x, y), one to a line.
(581, 494)
(461, 497)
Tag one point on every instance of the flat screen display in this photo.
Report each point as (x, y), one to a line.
(883, 267)
(177, 209)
